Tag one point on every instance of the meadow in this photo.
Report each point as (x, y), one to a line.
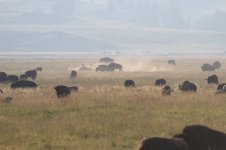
(104, 115)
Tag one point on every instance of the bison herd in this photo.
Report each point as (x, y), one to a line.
(109, 65)
(192, 137)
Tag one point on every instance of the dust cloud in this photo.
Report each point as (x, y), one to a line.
(139, 65)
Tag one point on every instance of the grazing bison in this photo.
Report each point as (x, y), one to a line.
(187, 86)
(3, 77)
(23, 84)
(73, 74)
(160, 82)
(220, 86)
(114, 66)
(129, 83)
(212, 79)
(23, 77)
(31, 74)
(166, 90)
(102, 68)
(39, 69)
(221, 89)
(12, 78)
(207, 67)
(63, 91)
(172, 62)
(157, 143)
(106, 60)
(200, 137)
(217, 65)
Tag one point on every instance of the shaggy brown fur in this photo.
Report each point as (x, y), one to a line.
(156, 143)
(200, 137)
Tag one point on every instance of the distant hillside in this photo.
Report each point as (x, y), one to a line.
(50, 41)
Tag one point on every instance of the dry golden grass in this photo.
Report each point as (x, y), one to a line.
(104, 115)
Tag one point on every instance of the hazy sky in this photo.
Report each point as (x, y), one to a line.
(112, 24)
(176, 14)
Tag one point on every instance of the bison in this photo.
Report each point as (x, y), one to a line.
(172, 62)
(102, 68)
(3, 77)
(31, 74)
(62, 90)
(106, 60)
(217, 65)
(12, 78)
(207, 67)
(212, 79)
(166, 90)
(220, 86)
(187, 86)
(23, 84)
(160, 82)
(129, 83)
(200, 137)
(1, 91)
(73, 74)
(114, 66)
(158, 143)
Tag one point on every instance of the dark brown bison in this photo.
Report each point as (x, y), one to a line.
(217, 65)
(1, 91)
(12, 78)
(3, 77)
(62, 90)
(200, 137)
(160, 82)
(187, 86)
(73, 74)
(31, 74)
(157, 143)
(212, 79)
(166, 90)
(129, 83)
(207, 67)
(23, 84)
(220, 86)
(102, 68)
(106, 60)
(114, 66)
(39, 69)
(172, 62)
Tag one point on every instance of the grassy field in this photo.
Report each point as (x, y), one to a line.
(104, 115)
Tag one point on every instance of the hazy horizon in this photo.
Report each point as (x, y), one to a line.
(113, 24)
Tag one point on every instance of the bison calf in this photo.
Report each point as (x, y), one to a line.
(156, 143)
(166, 90)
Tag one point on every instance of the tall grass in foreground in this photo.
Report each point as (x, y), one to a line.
(116, 119)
